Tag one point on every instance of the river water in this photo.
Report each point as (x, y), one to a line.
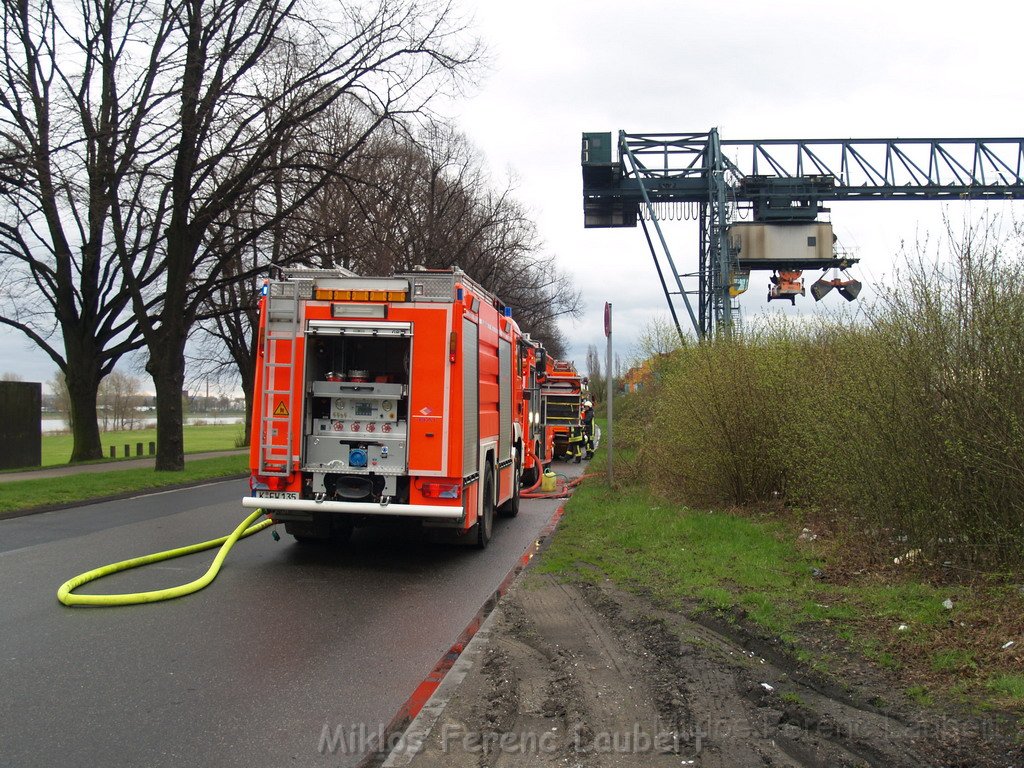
(55, 425)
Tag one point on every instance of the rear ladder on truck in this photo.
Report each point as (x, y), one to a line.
(281, 400)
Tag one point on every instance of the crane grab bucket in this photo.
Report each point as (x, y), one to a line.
(846, 287)
(850, 290)
(820, 288)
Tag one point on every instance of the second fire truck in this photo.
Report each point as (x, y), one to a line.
(562, 393)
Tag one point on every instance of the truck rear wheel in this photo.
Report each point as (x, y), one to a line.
(308, 531)
(485, 520)
(320, 531)
(529, 477)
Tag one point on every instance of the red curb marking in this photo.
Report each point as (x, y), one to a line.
(408, 711)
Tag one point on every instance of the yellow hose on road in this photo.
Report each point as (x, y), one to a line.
(245, 528)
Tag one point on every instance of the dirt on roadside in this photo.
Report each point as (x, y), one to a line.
(583, 675)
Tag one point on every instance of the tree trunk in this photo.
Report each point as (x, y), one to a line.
(245, 354)
(247, 390)
(169, 380)
(84, 425)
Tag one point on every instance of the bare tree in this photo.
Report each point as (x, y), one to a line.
(425, 199)
(118, 397)
(659, 337)
(226, 347)
(319, 231)
(597, 381)
(406, 198)
(133, 128)
(69, 135)
(61, 399)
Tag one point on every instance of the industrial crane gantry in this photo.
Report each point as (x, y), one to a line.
(782, 184)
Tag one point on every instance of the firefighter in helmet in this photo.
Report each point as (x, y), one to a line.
(587, 420)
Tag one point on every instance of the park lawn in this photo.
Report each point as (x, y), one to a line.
(52, 491)
(198, 439)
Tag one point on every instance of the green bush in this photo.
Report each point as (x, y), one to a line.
(907, 420)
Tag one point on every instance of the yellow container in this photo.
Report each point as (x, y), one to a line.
(548, 482)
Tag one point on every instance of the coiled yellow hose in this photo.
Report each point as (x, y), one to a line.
(246, 528)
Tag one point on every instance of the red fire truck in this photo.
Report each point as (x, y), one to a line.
(385, 396)
(561, 392)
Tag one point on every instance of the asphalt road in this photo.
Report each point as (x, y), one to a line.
(287, 641)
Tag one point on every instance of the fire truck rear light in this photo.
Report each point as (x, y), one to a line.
(342, 295)
(397, 295)
(453, 342)
(273, 482)
(441, 490)
(360, 295)
(323, 294)
(378, 295)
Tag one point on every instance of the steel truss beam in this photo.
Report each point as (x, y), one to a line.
(778, 178)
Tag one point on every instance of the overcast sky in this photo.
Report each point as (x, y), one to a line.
(753, 70)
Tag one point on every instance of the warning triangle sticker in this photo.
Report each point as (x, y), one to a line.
(281, 410)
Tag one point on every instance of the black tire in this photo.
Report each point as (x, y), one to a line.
(323, 531)
(308, 532)
(529, 477)
(485, 520)
(511, 507)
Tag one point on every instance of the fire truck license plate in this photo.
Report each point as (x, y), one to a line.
(277, 495)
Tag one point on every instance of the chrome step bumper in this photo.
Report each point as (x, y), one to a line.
(354, 508)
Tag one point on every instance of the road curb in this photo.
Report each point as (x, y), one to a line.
(415, 735)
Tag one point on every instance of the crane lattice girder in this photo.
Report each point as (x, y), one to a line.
(891, 168)
(675, 167)
(782, 180)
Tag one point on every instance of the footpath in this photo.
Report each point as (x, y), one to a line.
(105, 466)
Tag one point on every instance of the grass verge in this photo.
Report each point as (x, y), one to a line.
(27, 494)
(755, 567)
(198, 439)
